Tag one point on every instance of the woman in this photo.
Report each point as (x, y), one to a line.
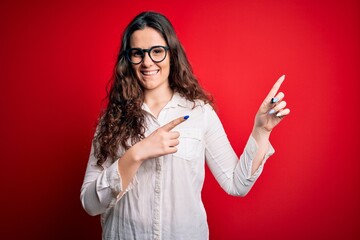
(146, 167)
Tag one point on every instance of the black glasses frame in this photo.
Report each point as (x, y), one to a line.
(143, 51)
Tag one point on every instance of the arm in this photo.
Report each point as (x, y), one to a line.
(103, 188)
(100, 187)
(269, 115)
(235, 176)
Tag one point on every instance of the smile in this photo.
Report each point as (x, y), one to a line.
(149, 73)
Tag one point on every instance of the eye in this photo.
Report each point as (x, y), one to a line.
(157, 51)
(136, 53)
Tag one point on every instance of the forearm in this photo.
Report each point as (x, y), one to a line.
(128, 165)
(102, 188)
(261, 137)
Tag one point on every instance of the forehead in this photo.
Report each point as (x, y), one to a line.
(146, 38)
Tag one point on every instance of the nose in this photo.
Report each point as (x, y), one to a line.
(147, 60)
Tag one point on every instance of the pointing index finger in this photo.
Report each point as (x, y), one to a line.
(276, 87)
(169, 126)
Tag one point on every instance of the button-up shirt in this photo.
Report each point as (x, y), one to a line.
(163, 200)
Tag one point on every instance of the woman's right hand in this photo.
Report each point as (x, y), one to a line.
(160, 142)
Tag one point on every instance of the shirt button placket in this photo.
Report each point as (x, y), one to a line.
(157, 202)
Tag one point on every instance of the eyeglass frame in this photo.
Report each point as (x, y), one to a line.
(143, 51)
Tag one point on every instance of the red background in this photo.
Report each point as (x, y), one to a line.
(57, 56)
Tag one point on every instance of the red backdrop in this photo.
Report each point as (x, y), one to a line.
(57, 56)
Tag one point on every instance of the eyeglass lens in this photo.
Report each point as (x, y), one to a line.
(156, 53)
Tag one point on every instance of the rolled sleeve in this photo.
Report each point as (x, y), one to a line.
(101, 189)
(249, 153)
(233, 174)
(113, 179)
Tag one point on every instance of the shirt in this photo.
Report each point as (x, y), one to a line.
(163, 200)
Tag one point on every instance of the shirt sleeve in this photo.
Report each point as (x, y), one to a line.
(101, 188)
(233, 174)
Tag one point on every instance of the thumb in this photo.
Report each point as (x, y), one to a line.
(169, 126)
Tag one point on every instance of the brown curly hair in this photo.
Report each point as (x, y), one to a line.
(123, 121)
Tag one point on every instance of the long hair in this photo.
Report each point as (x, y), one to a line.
(123, 121)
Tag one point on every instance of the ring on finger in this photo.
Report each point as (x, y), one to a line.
(274, 100)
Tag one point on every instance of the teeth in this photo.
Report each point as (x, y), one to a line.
(149, 73)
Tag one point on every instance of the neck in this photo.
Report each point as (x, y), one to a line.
(157, 99)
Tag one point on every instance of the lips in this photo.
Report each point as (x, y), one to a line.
(149, 73)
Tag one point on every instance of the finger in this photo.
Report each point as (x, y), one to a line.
(174, 135)
(168, 127)
(174, 142)
(171, 150)
(276, 87)
(278, 107)
(280, 96)
(283, 113)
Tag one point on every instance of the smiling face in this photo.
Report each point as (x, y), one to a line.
(152, 76)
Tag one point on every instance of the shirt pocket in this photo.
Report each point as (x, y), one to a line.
(190, 145)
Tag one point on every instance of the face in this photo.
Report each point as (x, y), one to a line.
(151, 75)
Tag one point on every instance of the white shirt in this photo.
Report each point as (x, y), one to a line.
(163, 201)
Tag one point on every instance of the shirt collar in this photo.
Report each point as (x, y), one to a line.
(176, 100)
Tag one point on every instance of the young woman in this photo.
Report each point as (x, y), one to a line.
(146, 166)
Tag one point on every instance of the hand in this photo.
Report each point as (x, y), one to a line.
(161, 142)
(271, 113)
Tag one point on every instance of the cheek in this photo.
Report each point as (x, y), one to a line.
(166, 66)
(166, 71)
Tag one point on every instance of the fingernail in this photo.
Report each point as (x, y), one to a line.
(271, 111)
(274, 100)
(278, 114)
(283, 76)
(186, 117)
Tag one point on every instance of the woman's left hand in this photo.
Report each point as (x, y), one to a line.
(272, 110)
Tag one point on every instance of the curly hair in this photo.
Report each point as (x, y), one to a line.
(123, 121)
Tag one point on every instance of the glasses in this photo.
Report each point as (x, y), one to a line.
(156, 53)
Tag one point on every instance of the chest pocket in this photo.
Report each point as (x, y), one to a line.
(190, 143)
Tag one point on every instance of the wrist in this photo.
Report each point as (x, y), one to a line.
(136, 153)
(260, 134)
